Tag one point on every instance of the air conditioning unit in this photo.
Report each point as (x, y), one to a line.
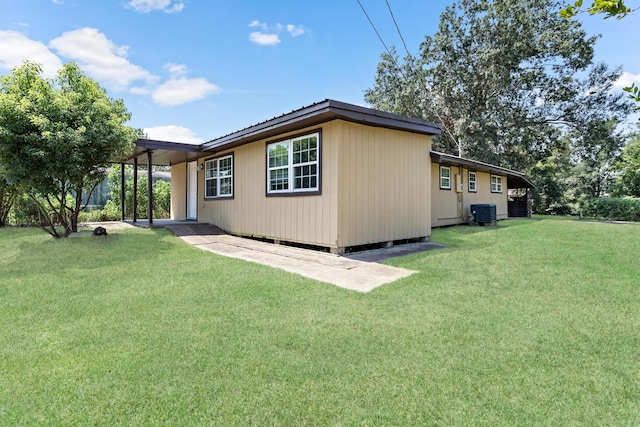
(484, 213)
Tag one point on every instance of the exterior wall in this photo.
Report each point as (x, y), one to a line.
(308, 219)
(179, 191)
(450, 207)
(384, 180)
(374, 188)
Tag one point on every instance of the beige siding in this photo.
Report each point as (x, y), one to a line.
(451, 207)
(375, 188)
(303, 219)
(446, 206)
(384, 185)
(179, 191)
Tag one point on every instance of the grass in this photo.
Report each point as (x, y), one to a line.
(534, 322)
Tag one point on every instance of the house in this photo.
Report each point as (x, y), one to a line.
(331, 175)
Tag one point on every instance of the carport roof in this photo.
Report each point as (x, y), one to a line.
(514, 179)
(167, 153)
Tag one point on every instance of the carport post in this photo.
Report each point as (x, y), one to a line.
(122, 195)
(149, 189)
(135, 190)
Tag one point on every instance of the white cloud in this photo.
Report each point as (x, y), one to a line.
(258, 24)
(58, 1)
(146, 6)
(101, 58)
(295, 31)
(172, 133)
(270, 35)
(176, 69)
(626, 79)
(181, 90)
(105, 62)
(16, 47)
(264, 39)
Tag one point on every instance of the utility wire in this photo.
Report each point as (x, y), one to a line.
(374, 27)
(398, 69)
(397, 28)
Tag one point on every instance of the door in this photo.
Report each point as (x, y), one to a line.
(192, 190)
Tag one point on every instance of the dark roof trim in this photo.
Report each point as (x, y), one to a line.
(164, 152)
(514, 179)
(316, 114)
(152, 144)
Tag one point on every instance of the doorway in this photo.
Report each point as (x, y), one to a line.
(192, 190)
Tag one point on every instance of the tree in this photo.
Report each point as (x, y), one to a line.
(8, 194)
(499, 75)
(595, 136)
(57, 137)
(609, 8)
(161, 195)
(628, 183)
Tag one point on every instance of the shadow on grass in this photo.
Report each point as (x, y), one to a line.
(131, 246)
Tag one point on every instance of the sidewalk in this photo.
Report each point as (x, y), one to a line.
(344, 272)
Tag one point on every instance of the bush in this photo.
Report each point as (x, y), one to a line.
(619, 209)
(110, 212)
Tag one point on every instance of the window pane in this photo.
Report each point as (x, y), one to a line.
(225, 186)
(306, 176)
(224, 167)
(279, 179)
(211, 188)
(278, 155)
(210, 169)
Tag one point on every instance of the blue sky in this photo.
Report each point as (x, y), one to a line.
(194, 70)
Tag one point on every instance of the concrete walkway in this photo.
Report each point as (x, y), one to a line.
(359, 271)
(344, 272)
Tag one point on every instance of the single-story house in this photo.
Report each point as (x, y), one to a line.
(332, 175)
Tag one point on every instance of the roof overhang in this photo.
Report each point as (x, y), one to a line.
(168, 153)
(514, 179)
(317, 114)
(164, 153)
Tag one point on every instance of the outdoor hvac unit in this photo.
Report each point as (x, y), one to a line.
(484, 213)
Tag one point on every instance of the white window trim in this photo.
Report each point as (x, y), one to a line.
(474, 182)
(448, 178)
(496, 184)
(290, 166)
(218, 178)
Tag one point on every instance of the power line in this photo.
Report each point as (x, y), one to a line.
(374, 27)
(395, 62)
(397, 28)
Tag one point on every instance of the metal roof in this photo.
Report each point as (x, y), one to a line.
(514, 179)
(167, 153)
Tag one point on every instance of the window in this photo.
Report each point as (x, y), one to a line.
(472, 182)
(445, 177)
(292, 165)
(218, 177)
(496, 184)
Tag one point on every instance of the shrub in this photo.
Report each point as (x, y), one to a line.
(620, 209)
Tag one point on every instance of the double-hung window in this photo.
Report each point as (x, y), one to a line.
(473, 182)
(218, 177)
(445, 177)
(496, 184)
(293, 165)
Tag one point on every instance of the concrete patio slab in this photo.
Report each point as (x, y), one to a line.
(352, 274)
(360, 271)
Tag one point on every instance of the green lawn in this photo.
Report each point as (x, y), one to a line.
(535, 322)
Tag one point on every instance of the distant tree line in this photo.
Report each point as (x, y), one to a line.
(515, 84)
